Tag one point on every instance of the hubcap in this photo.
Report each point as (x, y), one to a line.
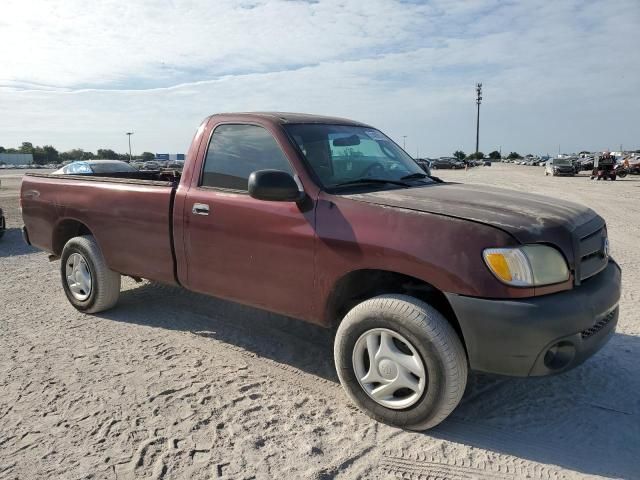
(78, 276)
(389, 368)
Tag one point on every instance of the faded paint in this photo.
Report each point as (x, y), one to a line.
(288, 257)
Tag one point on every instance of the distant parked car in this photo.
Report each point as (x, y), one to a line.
(91, 167)
(487, 163)
(3, 223)
(151, 165)
(175, 165)
(584, 164)
(450, 163)
(560, 166)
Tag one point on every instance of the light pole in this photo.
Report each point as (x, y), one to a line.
(478, 102)
(404, 142)
(129, 135)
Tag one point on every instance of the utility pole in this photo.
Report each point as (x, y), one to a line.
(129, 135)
(478, 102)
(404, 142)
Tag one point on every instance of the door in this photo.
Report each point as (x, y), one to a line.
(252, 251)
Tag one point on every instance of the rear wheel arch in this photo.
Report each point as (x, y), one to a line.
(360, 285)
(64, 231)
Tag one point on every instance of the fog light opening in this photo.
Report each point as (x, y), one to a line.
(559, 355)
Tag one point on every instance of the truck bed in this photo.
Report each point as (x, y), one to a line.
(130, 217)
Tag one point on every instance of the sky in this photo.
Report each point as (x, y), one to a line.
(562, 74)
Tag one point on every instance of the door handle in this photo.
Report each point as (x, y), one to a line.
(200, 209)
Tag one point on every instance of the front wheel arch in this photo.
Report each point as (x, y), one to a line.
(357, 286)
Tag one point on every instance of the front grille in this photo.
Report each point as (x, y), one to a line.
(599, 325)
(592, 253)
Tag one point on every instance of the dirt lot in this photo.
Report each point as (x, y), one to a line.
(176, 385)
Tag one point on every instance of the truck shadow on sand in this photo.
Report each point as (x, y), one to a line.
(11, 244)
(587, 420)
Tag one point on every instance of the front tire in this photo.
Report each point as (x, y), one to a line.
(400, 361)
(89, 284)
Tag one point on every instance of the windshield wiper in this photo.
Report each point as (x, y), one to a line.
(360, 181)
(411, 176)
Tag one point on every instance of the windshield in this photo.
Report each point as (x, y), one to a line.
(561, 161)
(342, 154)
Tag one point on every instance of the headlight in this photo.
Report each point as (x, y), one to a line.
(527, 266)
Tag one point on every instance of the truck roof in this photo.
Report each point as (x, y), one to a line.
(288, 117)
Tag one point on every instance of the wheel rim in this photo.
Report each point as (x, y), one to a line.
(389, 368)
(78, 277)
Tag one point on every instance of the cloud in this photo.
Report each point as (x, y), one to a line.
(81, 74)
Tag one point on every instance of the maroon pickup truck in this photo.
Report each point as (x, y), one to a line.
(329, 221)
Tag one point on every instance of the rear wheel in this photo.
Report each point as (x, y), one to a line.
(400, 361)
(88, 283)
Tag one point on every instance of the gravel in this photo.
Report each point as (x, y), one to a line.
(172, 384)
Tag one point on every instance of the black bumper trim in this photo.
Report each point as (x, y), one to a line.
(511, 337)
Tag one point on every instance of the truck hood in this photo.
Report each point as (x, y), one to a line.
(528, 217)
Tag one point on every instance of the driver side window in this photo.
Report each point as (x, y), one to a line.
(235, 151)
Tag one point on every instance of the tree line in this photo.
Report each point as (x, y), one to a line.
(495, 155)
(45, 154)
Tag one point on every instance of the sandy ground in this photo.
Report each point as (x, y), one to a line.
(175, 385)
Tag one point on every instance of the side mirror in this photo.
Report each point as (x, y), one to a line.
(274, 186)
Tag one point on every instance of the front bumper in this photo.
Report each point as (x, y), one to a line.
(540, 335)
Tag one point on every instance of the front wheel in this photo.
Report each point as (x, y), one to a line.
(400, 361)
(88, 283)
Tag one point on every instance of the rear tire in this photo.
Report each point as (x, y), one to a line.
(420, 335)
(89, 284)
